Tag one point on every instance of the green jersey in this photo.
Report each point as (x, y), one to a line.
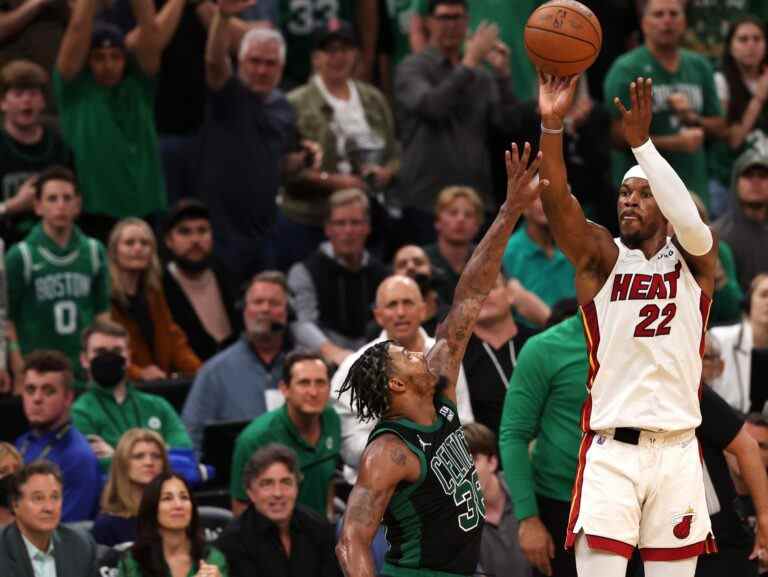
(695, 79)
(299, 20)
(317, 462)
(55, 292)
(434, 525)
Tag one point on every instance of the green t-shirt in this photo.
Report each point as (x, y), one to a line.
(299, 19)
(54, 293)
(128, 567)
(548, 277)
(511, 16)
(317, 463)
(694, 78)
(543, 402)
(96, 412)
(400, 13)
(111, 131)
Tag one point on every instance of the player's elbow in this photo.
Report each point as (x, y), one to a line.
(344, 548)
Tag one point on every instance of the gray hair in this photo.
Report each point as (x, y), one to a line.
(261, 35)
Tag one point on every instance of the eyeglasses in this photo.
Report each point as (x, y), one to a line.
(446, 18)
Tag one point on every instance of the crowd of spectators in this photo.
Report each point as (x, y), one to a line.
(234, 199)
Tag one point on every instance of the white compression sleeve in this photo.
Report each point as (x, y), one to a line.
(674, 200)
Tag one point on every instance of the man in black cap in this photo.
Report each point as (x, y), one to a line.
(200, 294)
(104, 85)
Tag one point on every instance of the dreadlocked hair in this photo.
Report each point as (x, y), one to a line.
(367, 382)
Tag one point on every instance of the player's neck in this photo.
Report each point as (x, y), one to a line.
(61, 235)
(496, 331)
(649, 246)
(420, 411)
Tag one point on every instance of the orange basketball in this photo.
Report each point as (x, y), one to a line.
(563, 37)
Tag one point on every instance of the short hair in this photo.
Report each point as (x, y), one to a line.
(267, 456)
(23, 475)
(22, 74)
(117, 498)
(433, 4)
(368, 382)
(346, 197)
(296, 357)
(480, 440)
(103, 327)
(272, 277)
(256, 35)
(757, 419)
(451, 193)
(55, 172)
(48, 361)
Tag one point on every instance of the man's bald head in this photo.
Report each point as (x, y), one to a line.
(400, 309)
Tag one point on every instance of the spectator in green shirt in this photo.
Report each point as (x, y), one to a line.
(112, 405)
(543, 403)
(686, 109)
(306, 423)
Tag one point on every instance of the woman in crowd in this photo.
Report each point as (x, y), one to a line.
(744, 348)
(10, 462)
(158, 346)
(169, 542)
(139, 457)
(743, 89)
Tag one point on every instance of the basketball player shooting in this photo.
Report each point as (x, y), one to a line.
(644, 299)
(416, 472)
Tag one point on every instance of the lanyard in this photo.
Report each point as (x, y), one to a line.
(504, 378)
(63, 430)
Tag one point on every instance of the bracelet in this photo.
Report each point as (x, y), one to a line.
(546, 130)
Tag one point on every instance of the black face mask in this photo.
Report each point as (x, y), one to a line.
(193, 266)
(108, 369)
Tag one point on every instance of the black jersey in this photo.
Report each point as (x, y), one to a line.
(434, 524)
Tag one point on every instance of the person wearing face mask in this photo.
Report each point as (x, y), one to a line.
(10, 462)
(139, 457)
(200, 293)
(240, 383)
(112, 404)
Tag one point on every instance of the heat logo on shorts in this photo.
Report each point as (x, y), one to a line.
(683, 522)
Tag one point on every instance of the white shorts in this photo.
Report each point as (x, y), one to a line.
(649, 495)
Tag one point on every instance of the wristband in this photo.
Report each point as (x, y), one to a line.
(546, 130)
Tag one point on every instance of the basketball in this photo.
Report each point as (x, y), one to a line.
(563, 37)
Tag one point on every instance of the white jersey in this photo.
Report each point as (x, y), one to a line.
(645, 337)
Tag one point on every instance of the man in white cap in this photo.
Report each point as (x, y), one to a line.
(645, 299)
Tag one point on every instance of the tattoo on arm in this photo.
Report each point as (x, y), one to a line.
(397, 454)
(362, 507)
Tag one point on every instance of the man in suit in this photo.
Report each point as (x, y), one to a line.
(34, 545)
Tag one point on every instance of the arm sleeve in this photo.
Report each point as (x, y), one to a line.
(674, 200)
(306, 332)
(523, 405)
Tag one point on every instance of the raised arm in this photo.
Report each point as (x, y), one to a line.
(692, 235)
(146, 43)
(587, 245)
(20, 17)
(165, 24)
(76, 42)
(385, 463)
(482, 270)
(218, 68)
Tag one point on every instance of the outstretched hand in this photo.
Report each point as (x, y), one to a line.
(636, 122)
(556, 94)
(522, 188)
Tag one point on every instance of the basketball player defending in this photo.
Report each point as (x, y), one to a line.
(416, 472)
(644, 298)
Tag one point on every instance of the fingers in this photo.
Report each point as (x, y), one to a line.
(620, 105)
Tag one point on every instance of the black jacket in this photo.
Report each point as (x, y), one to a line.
(75, 554)
(252, 546)
(185, 316)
